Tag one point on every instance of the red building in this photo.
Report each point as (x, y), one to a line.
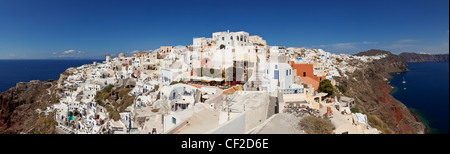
(306, 74)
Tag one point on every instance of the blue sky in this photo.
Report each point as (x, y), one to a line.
(47, 29)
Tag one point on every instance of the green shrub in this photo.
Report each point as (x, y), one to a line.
(104, 94)
(108, 88)
(342, 88)
(354, 110)
(326, 87)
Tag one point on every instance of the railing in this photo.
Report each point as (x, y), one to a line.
(292, 91)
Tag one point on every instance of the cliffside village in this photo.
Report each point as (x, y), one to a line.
(232, 83)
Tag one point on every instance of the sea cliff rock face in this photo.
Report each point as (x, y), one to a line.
(370, 88)
(421, 58)
(18, 107)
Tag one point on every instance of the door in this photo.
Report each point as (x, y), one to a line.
(276, 74)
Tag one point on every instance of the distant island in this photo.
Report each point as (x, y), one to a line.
(421, 58)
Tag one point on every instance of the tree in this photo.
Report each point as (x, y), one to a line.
(326, 87)
(342, 88)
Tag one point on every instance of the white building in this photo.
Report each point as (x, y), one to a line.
(198, 43)
(281, 74)
(227, 40)
(170, 75)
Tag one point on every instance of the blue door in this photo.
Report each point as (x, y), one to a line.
(276, 74)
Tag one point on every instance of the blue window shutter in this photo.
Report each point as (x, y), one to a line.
(276, 74)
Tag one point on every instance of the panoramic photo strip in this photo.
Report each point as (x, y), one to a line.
(205, 68)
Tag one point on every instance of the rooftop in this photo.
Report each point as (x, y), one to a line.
(295, 98)
(280, 124)
(202, 119)
(248, 100)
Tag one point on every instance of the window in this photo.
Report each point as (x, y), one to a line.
(304, 74)
(276, 66)
(174, 121)
(223, 38)
(290, 72)
(287, 72)
(231, 37)
(276, 74)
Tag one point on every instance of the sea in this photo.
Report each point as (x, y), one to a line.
(13, 71)
(426, 92)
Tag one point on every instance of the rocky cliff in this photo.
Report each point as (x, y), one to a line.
(371, 90)
(20, 105)
(420, 58)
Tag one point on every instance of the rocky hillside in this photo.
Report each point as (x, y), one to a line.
(370, 88)
(373, 52)
(420, 58)
(19, 108)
